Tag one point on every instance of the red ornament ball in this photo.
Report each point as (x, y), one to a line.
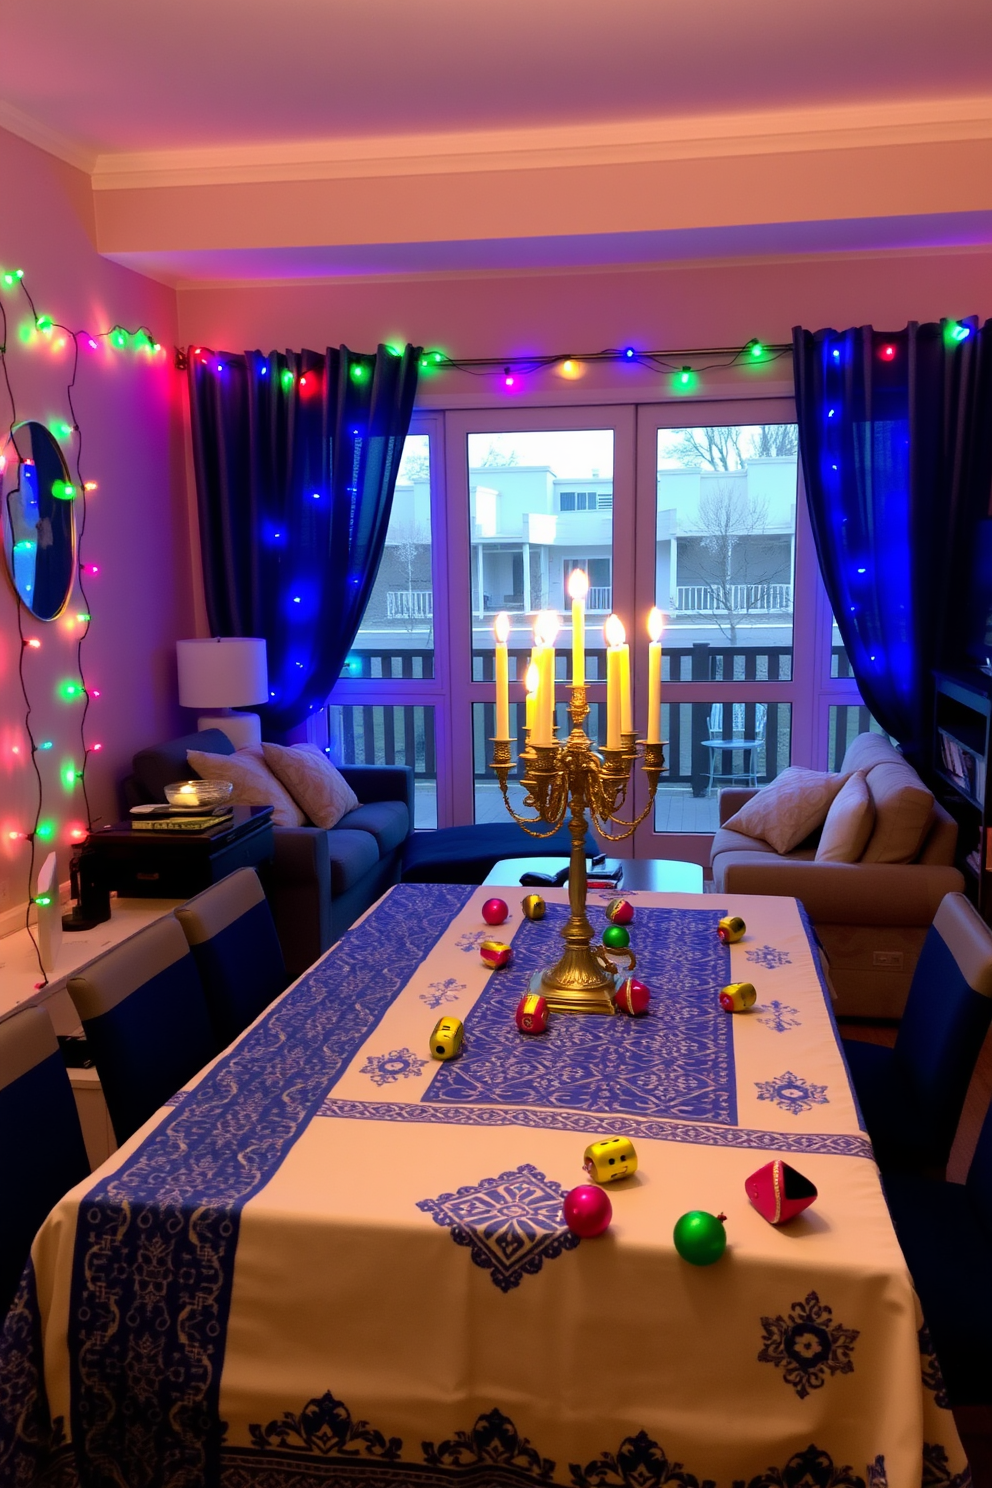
(588, 1211)
(495, 911)
(620, 911)
(632, 997)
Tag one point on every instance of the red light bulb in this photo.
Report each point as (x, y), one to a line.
(34, 643)
(887, 352)
(96, 747)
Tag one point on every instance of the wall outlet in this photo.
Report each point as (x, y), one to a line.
(888, 960)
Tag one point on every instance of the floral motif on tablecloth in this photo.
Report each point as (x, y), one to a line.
(386, 1069)
(512, 1224)
(807, 1345)
(470, 940)
(815, 1468)
(933, 1379)
(441, 992)
(937, 1474)
(492, 1442)
(768, 957)
(793, 1094)
(778, 1016)
(639, 1463)
(325, 1426)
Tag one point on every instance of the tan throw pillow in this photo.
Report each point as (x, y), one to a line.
(254, 784)
(903, 813)
(784, 813)
(320, 791)
(849, 822)
(865, 751)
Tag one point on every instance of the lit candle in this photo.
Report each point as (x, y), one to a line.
(578, 588)
(532, 681)
(501, 630)
(656, 624)
(545, 631)
(615, 636)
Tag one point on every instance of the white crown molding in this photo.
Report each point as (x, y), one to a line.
(54, 141)
(706, 136)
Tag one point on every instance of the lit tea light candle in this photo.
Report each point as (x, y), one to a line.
(656, 626)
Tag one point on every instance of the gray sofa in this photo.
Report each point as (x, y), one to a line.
(319, 881)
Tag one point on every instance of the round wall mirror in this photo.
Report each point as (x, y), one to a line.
(39, 530)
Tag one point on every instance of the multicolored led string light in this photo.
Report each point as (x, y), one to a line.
(70, 689)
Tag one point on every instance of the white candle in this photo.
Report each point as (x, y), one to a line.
(656, 625)
(578, 588)
(532, 682)
(614, 635)
(501, 630)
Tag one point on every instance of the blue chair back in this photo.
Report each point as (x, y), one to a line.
(145, 1017)
(947, 1016)
(232, 935)
(42, 1154)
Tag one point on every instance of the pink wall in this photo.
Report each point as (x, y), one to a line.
(129, 412)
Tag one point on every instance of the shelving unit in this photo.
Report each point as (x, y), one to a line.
(962, 740)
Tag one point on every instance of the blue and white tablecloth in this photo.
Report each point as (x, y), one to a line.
(336, 1261)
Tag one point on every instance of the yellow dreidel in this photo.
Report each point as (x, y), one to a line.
(446, 1040)
(737, 997)
(612, 1158)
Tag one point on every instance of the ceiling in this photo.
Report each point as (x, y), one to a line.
(159, 99)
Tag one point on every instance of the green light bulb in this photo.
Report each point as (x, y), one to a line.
(286, 378)
(18, 273)
(437, 356)
(358, 372)
(10, 280)
(69, 775)
(45, 744)
(62, 430)
(44, 322)
(69, 689)
(118, 336)
(756, 349)
(44, 830)
(63, 491)
(43, 899)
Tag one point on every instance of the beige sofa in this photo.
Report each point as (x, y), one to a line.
(871, 916)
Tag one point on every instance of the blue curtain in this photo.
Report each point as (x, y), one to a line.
(895, 434)
(296, 457)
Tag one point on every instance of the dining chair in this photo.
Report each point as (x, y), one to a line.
(145, 1017)
(42, 1154)
(911, 1095)
(722, 741)
(230, 930)
(945, 1230)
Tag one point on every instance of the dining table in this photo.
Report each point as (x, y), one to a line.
(335, 1259)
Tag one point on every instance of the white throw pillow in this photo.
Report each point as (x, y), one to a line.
(320, 791)
(849, 822)
(254, 783)
(784, 813)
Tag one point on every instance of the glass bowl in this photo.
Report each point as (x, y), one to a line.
(199, 793)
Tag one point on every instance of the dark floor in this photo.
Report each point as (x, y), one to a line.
(974, 1422)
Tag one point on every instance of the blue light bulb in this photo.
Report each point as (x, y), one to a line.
(628, 352)
(836, 353)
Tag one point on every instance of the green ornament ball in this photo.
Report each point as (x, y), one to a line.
(616, 938)
(700, 1238)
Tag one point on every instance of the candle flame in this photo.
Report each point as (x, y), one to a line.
(656, 624)
(614, 632)
(501, 627)
(532, 679)
(546, 627)
(578, 584)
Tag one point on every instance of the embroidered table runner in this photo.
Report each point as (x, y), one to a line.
(336, 1260)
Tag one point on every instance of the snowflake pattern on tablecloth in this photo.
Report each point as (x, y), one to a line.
(441, 992)
(768, 957)
(471, 940)
(807, 1345)
(779, 1016)
(386, 1069)
(793, 1094)
(511, 1224)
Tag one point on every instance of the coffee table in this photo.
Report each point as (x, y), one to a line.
(660, 875)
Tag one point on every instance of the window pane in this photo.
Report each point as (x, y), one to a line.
(376, 734)
(540, 504)
(845, 722)
(726, 532)
(711, 745)
(489, 804)
(396, 636)
(840, 662)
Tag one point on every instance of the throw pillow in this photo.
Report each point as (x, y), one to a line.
(849, 822)
(784, 813)
(254, 784)
(903, 813)
(320, 791)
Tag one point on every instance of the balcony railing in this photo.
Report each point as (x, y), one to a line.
(735, 599)
(409, 604)
(599, 600)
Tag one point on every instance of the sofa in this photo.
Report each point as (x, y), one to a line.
(871, 917)
(319, 881)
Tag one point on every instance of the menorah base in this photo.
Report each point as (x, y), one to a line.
(577, 983)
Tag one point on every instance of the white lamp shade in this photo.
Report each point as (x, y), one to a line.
(229, 672)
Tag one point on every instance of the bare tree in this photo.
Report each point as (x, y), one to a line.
(731, 559)
(495, 456)
(411, 542)
(415, 468)
(729, 447)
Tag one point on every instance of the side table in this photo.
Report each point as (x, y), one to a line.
(176, 865)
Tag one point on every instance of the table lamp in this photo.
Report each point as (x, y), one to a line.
(220, 675)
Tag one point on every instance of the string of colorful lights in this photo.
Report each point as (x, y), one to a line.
(43, 328)
(685, 375)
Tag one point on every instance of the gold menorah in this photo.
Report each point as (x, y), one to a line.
(574, 778)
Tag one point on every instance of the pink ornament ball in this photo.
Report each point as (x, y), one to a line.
(495, 911)
(588, 1211)
(620, 911)
(632, 997)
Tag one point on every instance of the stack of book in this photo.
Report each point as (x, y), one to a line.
(203, 821)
